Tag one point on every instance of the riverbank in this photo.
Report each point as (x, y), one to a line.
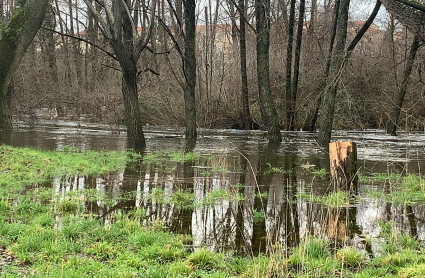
(47, 230)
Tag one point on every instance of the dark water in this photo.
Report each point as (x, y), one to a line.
(245, 192)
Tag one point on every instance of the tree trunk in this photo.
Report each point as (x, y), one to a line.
(1, 13)
(189, 64)
(312, 24)
(294, 87)
(15, 39)
(246, 115)
(343, 166)
(267, 107)
(310, 122)
(337, 59)
(392, 125)
(135, 137)
(409, 13)
(289, 104)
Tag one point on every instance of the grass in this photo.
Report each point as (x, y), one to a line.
(51, 235)
(405, 190)
(333, 199)
(20, 167)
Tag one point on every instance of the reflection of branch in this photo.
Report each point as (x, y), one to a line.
(83, 40)
(123, 204)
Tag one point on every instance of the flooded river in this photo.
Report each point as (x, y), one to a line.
(243, 194)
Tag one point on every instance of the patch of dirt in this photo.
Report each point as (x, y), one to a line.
(7, 259)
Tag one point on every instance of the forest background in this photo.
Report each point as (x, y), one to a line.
(68, 72)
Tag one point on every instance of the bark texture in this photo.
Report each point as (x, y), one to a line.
(398, 103)
(332, 80)
(246, 115)
(267, 107)
(409, 13)
(15, 38)
(189, 64)
(289, 102)
(297, 58)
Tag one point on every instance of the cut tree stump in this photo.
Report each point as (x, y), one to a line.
(343, 162)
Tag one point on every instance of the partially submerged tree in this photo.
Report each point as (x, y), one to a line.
(118, 21)
(332, 80)
(412, 15)
(267, 107)
(189, 64)
(246, 114)
(291, 96)
(184, 39)
(398, 103)
(15, 37)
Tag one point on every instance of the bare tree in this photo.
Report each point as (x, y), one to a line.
(398, 103)
(332, 80)
(295, 78)
(118, 22)
(267, 106)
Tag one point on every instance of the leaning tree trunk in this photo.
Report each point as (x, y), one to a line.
(313, 115)
(15, 38)
(395, 115)
(135, 137)
(332, 80)
(267, 107)
(189, 61)
(409, 13)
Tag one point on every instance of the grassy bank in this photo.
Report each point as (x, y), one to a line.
(46, 235)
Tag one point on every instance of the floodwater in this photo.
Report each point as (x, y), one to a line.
(245, 192)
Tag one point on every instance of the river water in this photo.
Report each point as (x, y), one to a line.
(245, 192)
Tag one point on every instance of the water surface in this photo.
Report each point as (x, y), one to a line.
(243, 190)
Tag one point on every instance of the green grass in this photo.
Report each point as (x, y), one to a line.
(20, 167)
(333, 199)
(404, 190)
(53, 236)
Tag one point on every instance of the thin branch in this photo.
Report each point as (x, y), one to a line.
(170, 34)
(365, 27)
(109, 15)
(100, 20)
(143, 43)
(175, 14)
(111, 67)
(160, 53)
(127, 11)
(83, 40)
(246, 20)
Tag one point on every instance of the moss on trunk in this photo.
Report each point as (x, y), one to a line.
(16, 36)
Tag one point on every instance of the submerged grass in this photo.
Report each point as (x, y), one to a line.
(333, 199)
(20, 167)
(51, 236)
